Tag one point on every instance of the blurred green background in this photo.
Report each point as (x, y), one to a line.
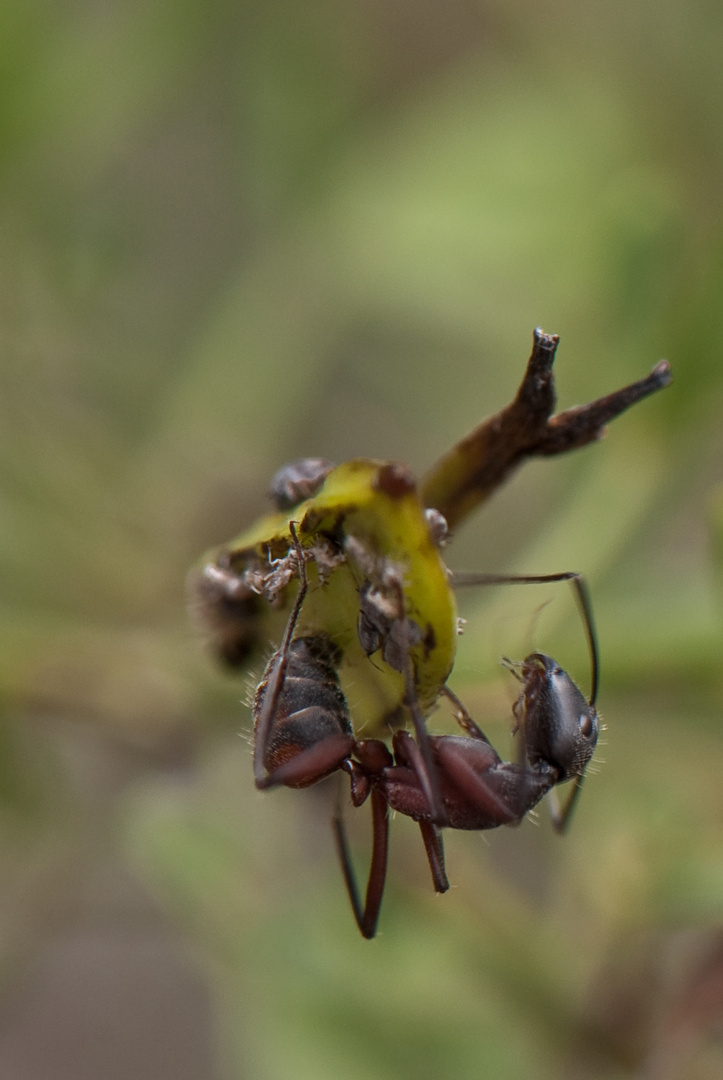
(237, 233)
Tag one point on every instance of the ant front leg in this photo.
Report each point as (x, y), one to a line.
(560, 814)
(463, 718)
(582, 596)
(376, 756)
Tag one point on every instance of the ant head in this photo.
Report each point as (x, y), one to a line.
(560, 725)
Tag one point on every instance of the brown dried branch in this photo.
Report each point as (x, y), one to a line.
(482, 461)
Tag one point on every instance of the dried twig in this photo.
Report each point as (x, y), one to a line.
(482, 461)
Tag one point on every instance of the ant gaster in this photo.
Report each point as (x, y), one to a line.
(302, 728)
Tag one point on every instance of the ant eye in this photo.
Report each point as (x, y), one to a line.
(586, 725)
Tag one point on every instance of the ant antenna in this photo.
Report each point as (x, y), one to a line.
(582, 597)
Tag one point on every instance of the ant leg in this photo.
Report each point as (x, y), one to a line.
(463, 580)
(466, 775)
(375, 757)
(561, 814)
(468, 780)
(435, 854)
(313, 763)
(463, 718)
(471, 783)
(425, 768)
(582, 596)
(383, 623)
(409, 753)
(275, 681)
(366, 918)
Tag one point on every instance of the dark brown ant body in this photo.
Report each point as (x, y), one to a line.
(478, 790)
(311, 733)
(303, 733)
(558, 731)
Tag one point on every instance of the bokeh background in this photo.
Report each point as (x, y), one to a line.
(234, 233)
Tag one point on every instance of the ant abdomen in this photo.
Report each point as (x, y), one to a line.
(311, 714)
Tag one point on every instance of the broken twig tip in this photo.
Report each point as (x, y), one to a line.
(663, 373)
(545, 341)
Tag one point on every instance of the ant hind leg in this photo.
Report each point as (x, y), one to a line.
(368, 916)
(434, 847)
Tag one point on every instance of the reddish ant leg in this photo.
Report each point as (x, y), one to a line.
(374, 756)
(434, 847)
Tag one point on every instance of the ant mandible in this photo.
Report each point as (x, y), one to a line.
(478, 790)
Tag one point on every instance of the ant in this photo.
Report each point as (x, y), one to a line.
(321, 732)
(559, 731)
(303, 733)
